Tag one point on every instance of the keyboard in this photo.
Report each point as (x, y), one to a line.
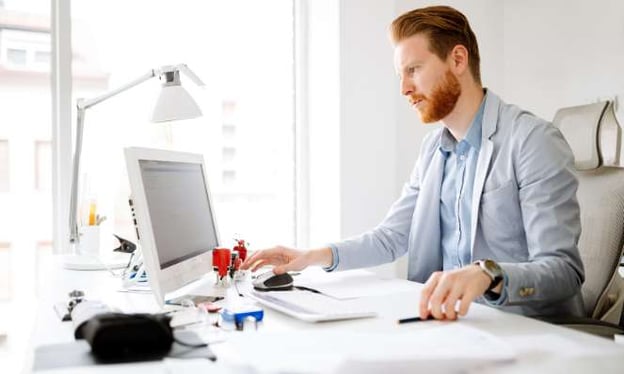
(310, 306)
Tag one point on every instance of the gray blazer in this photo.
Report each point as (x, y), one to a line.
(526, 208)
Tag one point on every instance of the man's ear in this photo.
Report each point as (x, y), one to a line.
(458, 59)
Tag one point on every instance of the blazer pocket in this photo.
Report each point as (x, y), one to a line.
(500, 221)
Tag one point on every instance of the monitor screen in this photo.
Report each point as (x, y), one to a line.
(179, 209)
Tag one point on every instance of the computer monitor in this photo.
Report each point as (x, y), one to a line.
(174, 217)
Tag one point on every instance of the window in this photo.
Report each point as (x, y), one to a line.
(25, 41)
(4, 166)
(25, 119)
(247, 131)
(16, 56)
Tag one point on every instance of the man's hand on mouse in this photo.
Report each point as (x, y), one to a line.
(287, 259)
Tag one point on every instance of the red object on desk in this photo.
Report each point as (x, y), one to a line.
(221, 260)
(241, 248)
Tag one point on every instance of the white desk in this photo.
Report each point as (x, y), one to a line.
(539, 347)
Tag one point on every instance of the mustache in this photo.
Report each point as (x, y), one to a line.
(415, 98)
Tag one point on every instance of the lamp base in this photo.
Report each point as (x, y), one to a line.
(95, 262)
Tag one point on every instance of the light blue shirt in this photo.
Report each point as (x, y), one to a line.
(456, 193)
(460, 166)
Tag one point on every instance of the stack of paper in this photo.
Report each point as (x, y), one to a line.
(440, 349)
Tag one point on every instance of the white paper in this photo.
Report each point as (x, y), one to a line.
(446, 348)
(348, 285)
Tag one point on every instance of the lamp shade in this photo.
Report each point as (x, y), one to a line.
(175, 103)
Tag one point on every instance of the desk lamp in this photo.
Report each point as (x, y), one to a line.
(174, 103)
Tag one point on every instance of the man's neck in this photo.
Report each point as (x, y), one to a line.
(459, 120)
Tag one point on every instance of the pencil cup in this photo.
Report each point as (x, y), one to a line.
(89, 240)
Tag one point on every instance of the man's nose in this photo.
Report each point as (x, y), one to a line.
(407, 87)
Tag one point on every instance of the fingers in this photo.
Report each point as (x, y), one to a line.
(258, 264)
(426, 292)
(285, 259)
(249, 261)
(281, 269)
(466, 300)
(450, 302)
(439, 296)
(443, 291)
(267, 256)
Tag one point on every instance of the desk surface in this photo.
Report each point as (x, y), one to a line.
(538, 347)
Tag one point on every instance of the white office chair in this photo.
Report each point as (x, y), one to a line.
(597, 142)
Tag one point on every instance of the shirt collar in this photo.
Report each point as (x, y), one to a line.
(473, 136)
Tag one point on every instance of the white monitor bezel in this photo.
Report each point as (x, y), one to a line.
(174, 277)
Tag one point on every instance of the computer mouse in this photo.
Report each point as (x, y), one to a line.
(270, 281)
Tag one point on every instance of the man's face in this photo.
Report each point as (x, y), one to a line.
(426, 80)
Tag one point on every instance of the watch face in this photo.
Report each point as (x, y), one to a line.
(494, 271)
(493, 267)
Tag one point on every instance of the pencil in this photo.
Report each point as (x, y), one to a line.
(415, 319)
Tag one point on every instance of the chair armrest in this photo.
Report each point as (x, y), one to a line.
(585, 324)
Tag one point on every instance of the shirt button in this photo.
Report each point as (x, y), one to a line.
(462, 157)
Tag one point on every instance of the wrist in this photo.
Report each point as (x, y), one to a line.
(321, 256)
(499, 288)
(494, 272)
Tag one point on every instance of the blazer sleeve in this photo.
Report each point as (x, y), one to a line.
(550, 213)
(386, 242)
(389, 240)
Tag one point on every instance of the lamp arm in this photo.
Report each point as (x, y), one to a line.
(86, 104)
(81, 106)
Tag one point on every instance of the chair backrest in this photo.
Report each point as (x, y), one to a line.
(595, 137)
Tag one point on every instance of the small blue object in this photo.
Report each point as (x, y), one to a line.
(237, 315)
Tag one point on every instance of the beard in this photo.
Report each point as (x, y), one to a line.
(442, 100)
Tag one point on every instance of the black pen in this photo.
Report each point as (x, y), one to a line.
(415, 319)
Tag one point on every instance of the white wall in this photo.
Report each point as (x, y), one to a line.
(368, 118)
(562, 52)
(351, 118)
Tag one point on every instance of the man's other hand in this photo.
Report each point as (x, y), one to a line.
(444, 289)
(287, 259)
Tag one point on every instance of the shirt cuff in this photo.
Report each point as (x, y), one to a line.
(335, 259)
(502, 298)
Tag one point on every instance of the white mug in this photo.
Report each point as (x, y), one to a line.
(89, 240)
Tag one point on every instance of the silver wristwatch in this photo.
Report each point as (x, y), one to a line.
(493, 270)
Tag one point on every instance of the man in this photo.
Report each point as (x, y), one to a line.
(490, 210)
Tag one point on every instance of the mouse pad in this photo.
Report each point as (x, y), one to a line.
(78, 353)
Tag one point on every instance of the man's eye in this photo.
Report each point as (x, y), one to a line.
(412, 69)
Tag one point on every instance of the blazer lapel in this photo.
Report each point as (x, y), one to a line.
(425, 255)
(490, 121)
